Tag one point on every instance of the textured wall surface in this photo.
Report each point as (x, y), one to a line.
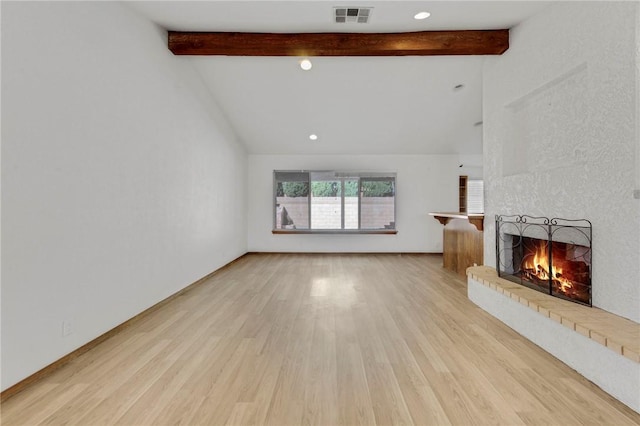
(121, 182)
(637, 190)
(560, 135)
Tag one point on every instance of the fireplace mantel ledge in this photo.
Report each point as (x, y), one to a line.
(614, 332)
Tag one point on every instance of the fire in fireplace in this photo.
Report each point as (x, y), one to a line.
(549, 255)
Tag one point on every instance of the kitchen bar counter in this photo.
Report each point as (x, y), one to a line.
(463, 240)
(475, 219)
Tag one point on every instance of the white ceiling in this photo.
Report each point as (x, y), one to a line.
(356, 105)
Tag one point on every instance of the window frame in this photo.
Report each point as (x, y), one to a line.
(342, 176)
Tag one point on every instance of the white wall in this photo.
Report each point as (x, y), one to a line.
(559, 135)
(121, 182)
(471, 166)
(424, 183)
(637, 190)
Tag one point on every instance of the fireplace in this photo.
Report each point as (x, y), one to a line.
(552, 256)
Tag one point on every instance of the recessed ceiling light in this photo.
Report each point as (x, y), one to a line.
(421, 15)
(305, 64)
(313, 137)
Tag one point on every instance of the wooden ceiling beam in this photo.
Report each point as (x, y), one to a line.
(423, 43)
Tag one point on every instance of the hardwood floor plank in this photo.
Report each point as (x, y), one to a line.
(42, 412)
(318, 339)
(354, 401)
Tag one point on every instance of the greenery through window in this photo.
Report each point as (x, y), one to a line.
(329, 201)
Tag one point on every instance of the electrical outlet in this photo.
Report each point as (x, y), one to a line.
(67, 328)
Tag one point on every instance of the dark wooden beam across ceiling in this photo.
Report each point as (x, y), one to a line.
(423, 43)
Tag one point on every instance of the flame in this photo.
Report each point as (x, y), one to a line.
(537, 265)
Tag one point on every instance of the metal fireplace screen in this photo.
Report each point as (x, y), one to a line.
(549, 255)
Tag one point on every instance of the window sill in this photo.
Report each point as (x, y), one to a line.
(335, 231)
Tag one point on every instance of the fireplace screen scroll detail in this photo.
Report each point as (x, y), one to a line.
(552, 256)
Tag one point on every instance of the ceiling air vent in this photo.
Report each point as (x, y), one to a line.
(359, 15)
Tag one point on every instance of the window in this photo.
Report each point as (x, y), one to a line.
(475, 196)
(334, 202)
(292, 200)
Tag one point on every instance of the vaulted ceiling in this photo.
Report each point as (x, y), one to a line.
(355, 105)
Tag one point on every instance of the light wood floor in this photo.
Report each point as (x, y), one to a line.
(318, 339)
